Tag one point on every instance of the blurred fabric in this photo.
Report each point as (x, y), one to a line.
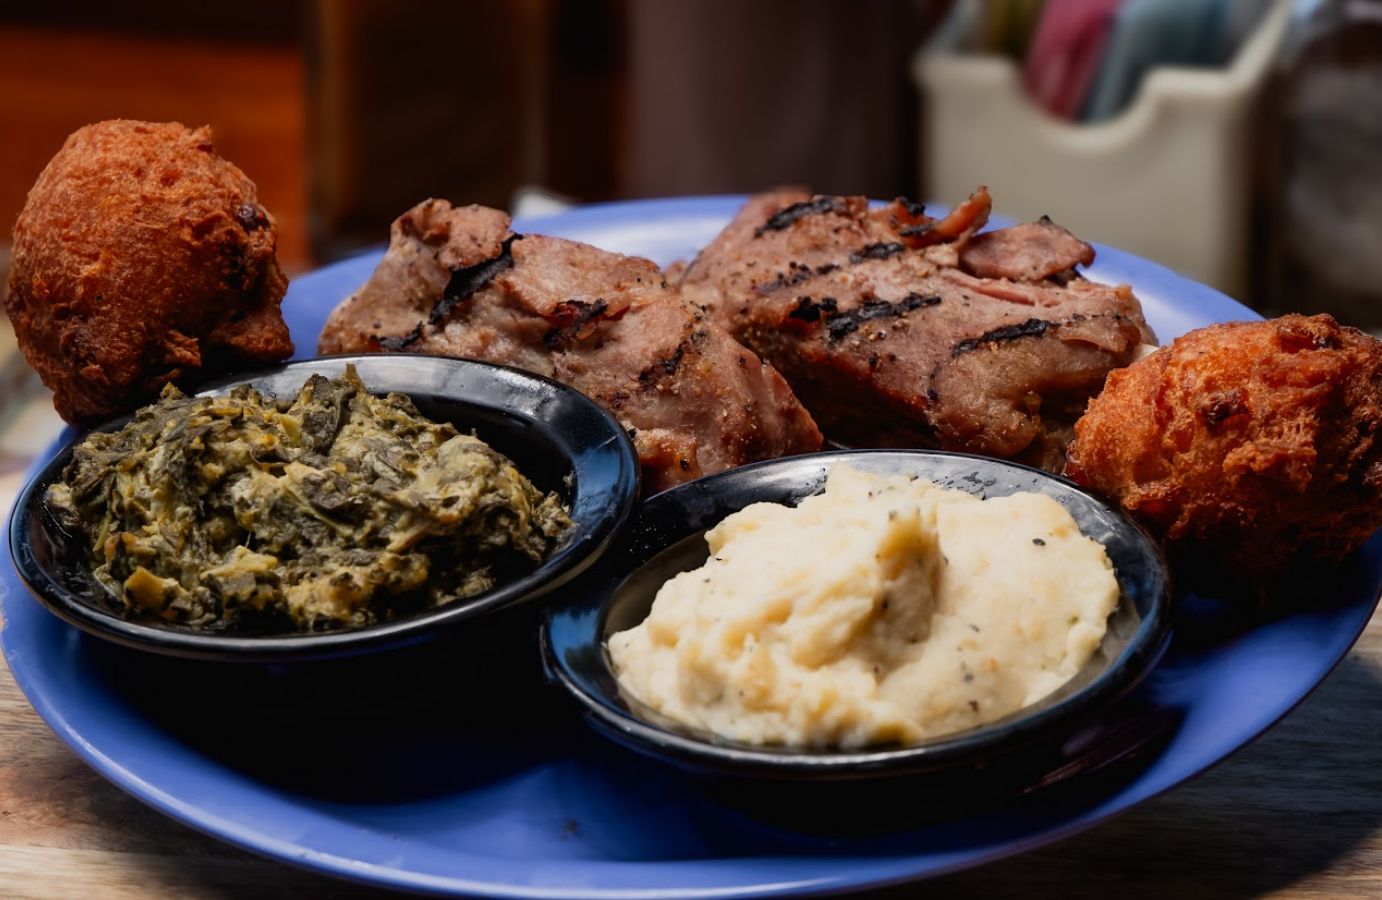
(1066, 51)
(1150, 33)
(1324, 246)
(348, 112)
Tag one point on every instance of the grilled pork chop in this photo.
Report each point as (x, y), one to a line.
(456, 281)
(897, 329)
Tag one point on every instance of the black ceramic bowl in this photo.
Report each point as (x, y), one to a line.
(558, 438)
(666, 537)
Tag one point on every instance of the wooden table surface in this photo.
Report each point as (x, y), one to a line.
(1298, 814)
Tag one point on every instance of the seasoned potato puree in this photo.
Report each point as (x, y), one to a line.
(882, 610)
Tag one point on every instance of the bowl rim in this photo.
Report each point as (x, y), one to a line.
(615, 718)
(593, 532)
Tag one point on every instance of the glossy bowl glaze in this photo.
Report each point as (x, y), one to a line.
(558, 438)
(665, 537)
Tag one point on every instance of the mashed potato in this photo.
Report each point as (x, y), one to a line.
(882, 610)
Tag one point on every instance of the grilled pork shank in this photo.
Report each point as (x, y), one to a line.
(897, 329)
(456, 281)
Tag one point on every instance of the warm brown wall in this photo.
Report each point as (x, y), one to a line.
(429, 98)
(56, 78)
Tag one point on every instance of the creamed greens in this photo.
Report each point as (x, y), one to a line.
(336, 508)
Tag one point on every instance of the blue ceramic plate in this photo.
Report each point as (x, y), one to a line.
(512, 797)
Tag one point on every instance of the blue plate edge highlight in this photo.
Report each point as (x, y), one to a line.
(1113, 265)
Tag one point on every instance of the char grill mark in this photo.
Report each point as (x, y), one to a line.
(797, 274)
(465, 281)
(809, 310)
(667, 366)
(399, 343)
(574, 320)
(914, 209)
(461, 286)
(841, 325)
(1029, 328)
(874, 378)
(879, 250)
(788, 215)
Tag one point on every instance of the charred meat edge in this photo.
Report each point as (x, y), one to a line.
(463, 284)
(788, 215)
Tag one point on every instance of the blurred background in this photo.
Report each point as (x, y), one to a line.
(1239, 141)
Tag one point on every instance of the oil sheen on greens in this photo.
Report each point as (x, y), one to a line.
(243, 513)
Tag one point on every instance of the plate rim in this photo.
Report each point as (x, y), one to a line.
(885, 870)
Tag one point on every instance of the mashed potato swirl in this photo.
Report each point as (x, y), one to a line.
(883, 610)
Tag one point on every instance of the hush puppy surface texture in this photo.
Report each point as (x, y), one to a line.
(1246, 444)
(142, 257)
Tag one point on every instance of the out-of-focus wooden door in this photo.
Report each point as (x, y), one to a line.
(429, 98)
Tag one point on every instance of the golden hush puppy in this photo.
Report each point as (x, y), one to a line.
(1245, 445)
(142, 257)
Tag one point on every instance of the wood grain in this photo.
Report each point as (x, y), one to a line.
(1297, 815)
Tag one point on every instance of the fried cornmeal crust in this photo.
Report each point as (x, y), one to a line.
(1249, 443)
(142, 257)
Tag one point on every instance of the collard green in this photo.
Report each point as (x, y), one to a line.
(332, 509)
